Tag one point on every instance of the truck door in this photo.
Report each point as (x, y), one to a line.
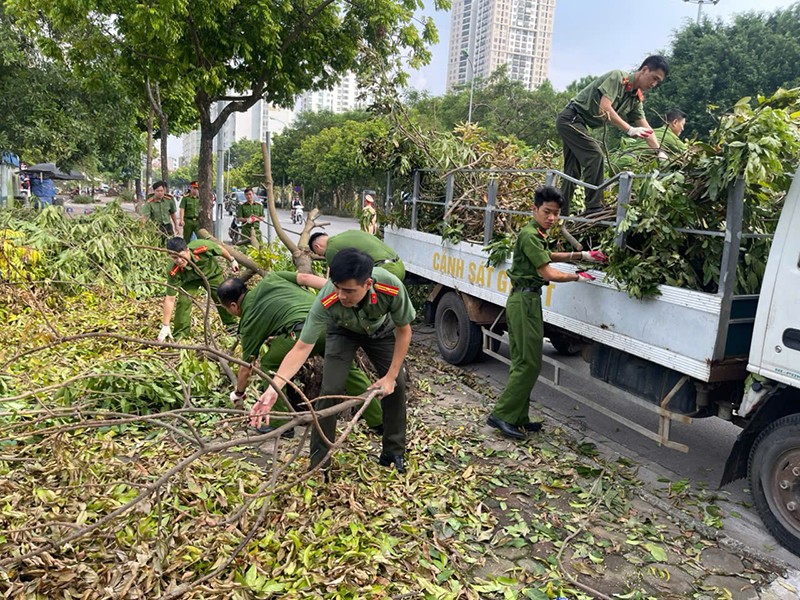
(776, 336)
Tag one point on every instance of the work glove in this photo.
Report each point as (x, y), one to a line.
(662, 156)
(165, 333)
(237, 396)
(234, 265)
(639, 132)
(594, 256)
(584, 276)
(252, 219)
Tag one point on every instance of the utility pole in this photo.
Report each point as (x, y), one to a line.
(700, 6)
(465, 54)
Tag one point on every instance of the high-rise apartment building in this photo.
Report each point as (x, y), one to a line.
(485, 34)
(344, 96)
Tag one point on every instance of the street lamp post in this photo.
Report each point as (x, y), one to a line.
(700, 6)
(465, 54)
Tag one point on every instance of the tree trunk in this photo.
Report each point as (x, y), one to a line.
(242, 259)
(164, 126)
(148, 168)
(205, 174)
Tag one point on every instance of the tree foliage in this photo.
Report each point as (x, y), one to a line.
(715, 64)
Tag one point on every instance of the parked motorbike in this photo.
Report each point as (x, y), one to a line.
(235, 233)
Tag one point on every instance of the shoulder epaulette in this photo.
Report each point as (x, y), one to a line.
(330, 300)
(199, 250)
(174, 271)
(387, 289)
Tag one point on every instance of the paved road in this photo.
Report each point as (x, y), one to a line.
(709, 441)
(332, 225)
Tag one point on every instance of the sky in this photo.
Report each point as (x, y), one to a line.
(591, 37)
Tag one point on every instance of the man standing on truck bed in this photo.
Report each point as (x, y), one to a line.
(530, 271)
(616, 98)
(383, 256)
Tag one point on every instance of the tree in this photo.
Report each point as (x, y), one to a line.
(243, 151)
(242, 51)
(51, 113)
(717, 64)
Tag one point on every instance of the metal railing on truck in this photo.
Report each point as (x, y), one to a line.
(733, 236)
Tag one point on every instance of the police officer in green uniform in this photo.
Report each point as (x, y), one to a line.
(530, 271)
(160, 208)
(277, 308)
(190, 212)
(382, 255)
(633, 148)
(366, 307)
(184, 276)
(250, 213)
(615, 98)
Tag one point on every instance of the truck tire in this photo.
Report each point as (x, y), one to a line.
(774, 469)
(458, 338)
(565, 345)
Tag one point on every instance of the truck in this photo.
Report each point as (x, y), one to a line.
(683, 354)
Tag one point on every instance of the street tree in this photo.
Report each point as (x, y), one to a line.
(232, 54)
(716, 63)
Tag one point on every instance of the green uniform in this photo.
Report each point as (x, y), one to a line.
(191, 213)
(276, 308)
(583, 156)
(160, 212)
(633, 149)
(370, 326)
(250, 210)
(525, 324)
(384, 257)
(203, 255)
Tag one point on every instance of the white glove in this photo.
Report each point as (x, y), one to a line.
(165, 333)
(662, 155)
(584, 277)
(639, 132)
(237, 396)
(234, 265)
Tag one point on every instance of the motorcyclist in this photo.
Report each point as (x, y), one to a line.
(297, 210)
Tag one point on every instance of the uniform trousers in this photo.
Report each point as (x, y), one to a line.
(583, 159)
(183, 308)
(525, 332)
(340, 350)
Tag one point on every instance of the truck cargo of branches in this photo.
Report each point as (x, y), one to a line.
(683, 354)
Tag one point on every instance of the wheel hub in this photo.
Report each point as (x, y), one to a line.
(785, 487)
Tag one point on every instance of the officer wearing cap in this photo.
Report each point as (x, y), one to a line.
(250, 213)
(369, 218)
(382, 255)
(160, 208)
(187, 260)
(276, 308)
(190, 212)
(361, 306)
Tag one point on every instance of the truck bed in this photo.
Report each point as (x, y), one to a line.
(680, 329)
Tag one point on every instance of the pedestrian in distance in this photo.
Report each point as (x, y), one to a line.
(190, 212)
(615, 98)
(250, 213)
(159, 207)
(530, 271)
(191, 263)
(361, 306)
(369, 217)
(382, 255)
(274, 312)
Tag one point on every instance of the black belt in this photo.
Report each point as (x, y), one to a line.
(295, 328)
(576, 116)
(387, 260)
(527, 288)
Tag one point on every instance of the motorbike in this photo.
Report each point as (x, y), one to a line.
(231, 204)
(235, 233)
(297, 214)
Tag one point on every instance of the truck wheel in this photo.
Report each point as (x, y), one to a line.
(458, 338)
(565, 345)
(774, 469)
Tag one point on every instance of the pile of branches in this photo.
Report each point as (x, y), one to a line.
(758, 141)
(101, 249)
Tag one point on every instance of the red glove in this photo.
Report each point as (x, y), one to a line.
(594, 256)
(252, 219)
(584, 276)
